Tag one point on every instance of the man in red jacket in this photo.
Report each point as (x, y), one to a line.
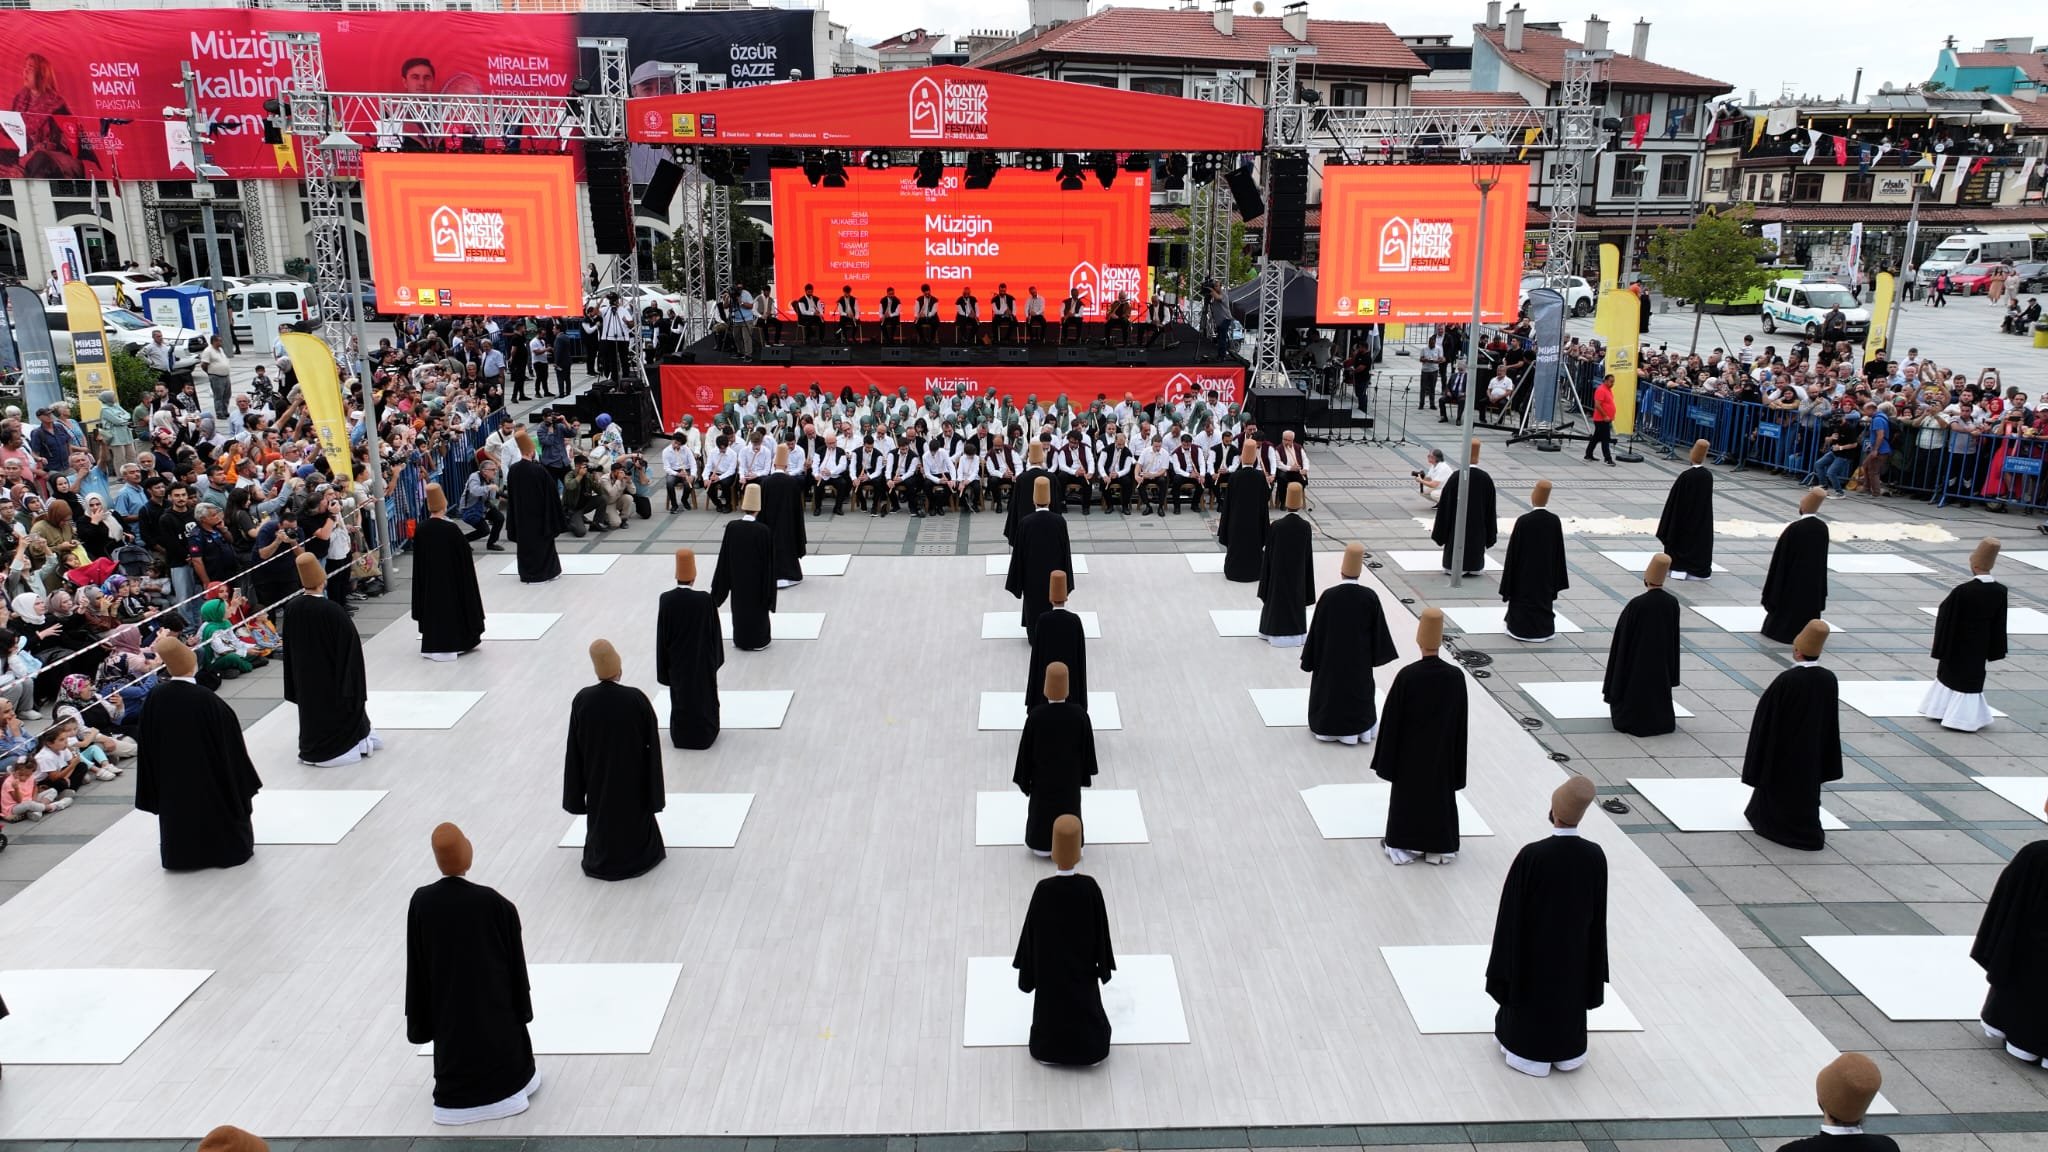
(1603, 421)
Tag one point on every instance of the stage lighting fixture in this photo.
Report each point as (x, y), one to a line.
(879, 159)
(1039, 162)
(834, 169)
(784, 158)
(1204, 167)
(930, 168)
(1070, 173)
(982, 168)
(580, 87)
(722, 165)
(1138, 162)
(814, 166)
(1104, 164)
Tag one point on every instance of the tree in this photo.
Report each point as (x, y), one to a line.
(750, 255)
(1242, 264)
(1715, 259)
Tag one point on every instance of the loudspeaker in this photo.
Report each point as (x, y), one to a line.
(1133, 356)
(775, 354)
(634, 414)
(661, 188)
(953, 355)
(1288, 221)
(1073, 356)
(1165, 253)
(611, 198)
(835, 356)
(1244, 188)
(895, 354)
(1007, 355)
(1277, 410)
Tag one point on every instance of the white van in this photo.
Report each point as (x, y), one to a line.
(1977, 248)
(1801, 305)
(263, 306)
(127, 332)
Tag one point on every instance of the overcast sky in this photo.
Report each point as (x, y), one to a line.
(1814, 48)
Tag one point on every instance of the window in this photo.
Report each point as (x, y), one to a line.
(1805, 187)
(1750, 194)
(1680, 115)
(1675, 177)
(1157, 85)
(1859, 187)
(1350, 96)
(1098, 81)
(1717, 179)
(1634, 104)
(11, 262)
(1766, 189)
(1628, 176)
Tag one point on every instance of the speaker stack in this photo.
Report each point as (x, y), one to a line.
(1287, 222)
(611, 197)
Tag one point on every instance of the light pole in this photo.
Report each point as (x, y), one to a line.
(202, 190)
(1891, 325)
(1488, 154)
(1635, 212)
(341, 146)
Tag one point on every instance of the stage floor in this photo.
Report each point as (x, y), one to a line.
(824, 983)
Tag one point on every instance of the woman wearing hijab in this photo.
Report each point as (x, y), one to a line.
(100, 530)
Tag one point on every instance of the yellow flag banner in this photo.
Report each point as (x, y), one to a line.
(320, 384)
(1529, 136)
(90, 356)
(1756, 130)
(1610, 267)
(1880, 313)
(1616, 323)
(1397, 332)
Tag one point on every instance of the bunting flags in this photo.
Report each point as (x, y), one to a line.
(1934, 174)
(1841, 151)
(2027, 175)
(1812, 145)
(287, 158)
(1863, 158)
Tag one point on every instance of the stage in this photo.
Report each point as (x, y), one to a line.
(840, 967)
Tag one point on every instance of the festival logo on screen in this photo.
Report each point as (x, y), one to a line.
(467, 236)
(1182, 386)
(1415, 245)
(1343, 305)
(949, 108)
(1128, 279)
(1087, 282)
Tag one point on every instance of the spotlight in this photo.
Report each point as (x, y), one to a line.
(982, 168)
(1104, 164)
(722, 166)
(814, 166)
(930, 168)
(580, 87)
(1138, 162)
(784, 158)
(879, 159)
(1205, 167)
(1070, 173)
(834, 166)
(1039, 162)
(1171, 173)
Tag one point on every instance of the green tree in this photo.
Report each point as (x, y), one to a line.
(751, 255)
(1242, 264)
(1715, 259)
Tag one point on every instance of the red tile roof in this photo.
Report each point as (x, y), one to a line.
(916, 41)
(2033, 114)
(2032, 64)
(1542, 58)
(1153, 33)
(2035, 213)
(1434, 99)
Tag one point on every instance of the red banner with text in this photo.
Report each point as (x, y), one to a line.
(702, 391)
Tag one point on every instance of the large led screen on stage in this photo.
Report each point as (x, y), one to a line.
(1400, 243)
(473, 234)
(882, 231)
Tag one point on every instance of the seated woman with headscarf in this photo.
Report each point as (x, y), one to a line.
(100, 531)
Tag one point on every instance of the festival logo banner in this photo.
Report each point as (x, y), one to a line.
(320, 385)
(92, 362)
(39, 385)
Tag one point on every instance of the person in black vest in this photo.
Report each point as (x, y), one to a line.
(967, 319)
(1002, 311)
(849, 316)
(927, 317)
(892, 318)
(810, 316)
(1034, 317)
(1070, 316)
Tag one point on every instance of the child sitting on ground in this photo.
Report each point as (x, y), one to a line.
(253, 626)
(58, 761)
(21, 798)
(220, 650)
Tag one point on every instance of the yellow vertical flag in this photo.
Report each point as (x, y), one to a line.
(287, 157)
(1880, 313)
(1529, 136)
(92, 362)
(1756, 131)
(320, 384)
(1397, 332)
(1617, 324)
(1610, 267)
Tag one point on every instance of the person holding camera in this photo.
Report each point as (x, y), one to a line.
(480, 504)
(581, 498)
(1430, 479)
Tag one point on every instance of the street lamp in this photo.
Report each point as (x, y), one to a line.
(1919, 169)
(340, 145)
(203, 191)
(1488, 157)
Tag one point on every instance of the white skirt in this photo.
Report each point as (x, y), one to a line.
(1962, 711)
(511, 1105)
(1285, 641)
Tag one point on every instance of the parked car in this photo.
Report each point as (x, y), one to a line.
(1801, 305)
(364, 293)
(670, 303)
(128, 332)
(226, 282)
(1975, 279)
(2029, 276)
(124, 288)
(279, 302)
(1578, 295)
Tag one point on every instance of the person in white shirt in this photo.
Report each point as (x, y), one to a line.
(214, 362)
(927, 317)
(615, 336)
(937, 464)
(539, 352)
(1289, 464)
(1153, 465)
(965, 478)
(1000, 463)
(1002, 311)
(810, 316)
(1222, 459)
(892, 318)
(757, 457)
(1074, 469)
(1432, 476)
(799, 460)
(681, 465)
(721, 473)
(1034, 317)
(906, 478)
(849, 317)
(966, 318)
(502, 444)
(1116, 467)
(830, 472)
(1187, 470)
(687, 429)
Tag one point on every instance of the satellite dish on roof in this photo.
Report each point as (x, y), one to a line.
(908, 37)
(1258, 7)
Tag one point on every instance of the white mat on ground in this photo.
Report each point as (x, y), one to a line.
(1108, 816)
(1492, 620)
(1881, 698)
(1205, 563)
(2032, 559)
(1712, 804)
(998, 564)
(403, 711)
(1281, 707)
(1873, 564)
(574, 564)
(1444, 986)
(1359, 811)
(1240, 621)
(1909, 977)
(1576, 699)
(782, 625)
(596, 1009)
(1142, 1002)
(2028, 792)
(1745, 618)
(296, 816)
(1004, 626)
(738, 708)
(1637, 561)
(1004, 712)
(72, 1015)
(690, 820)
(518, 625)
(1428, 559)
(829, 565)
(2018, 621)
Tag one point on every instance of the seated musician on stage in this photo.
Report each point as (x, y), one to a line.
(810, 316)
(1070, 316)
(1002, 311)
(927, 317)
(967, 319)
(1157, 314)
(892, 318)
(1034, 317)
(1119, 321)
(849, 316)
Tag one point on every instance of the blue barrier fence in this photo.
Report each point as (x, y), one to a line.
(1925, 460)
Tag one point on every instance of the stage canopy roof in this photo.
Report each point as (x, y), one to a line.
(947, 108)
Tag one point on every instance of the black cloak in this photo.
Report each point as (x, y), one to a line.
(533, 518)
(1549, 961)
(1242, 525)
(1021, 499)
(1795, 746)
(1642, 665)
(746, 574)
(1686, 529)
(1058, 639)
(1287, 578)
(2012, 948)
(611, 775)
(446, 602)
(1796, 586)
(466, 991)
(1055, 760)
(1482, 523)
(1039, 550)
(194, 773)
(688, 652)
(1063, 959)
(1347, 639)
(1969, 631)
(323, 675)
(782, 510)
(1533, 574)
(1421, 752)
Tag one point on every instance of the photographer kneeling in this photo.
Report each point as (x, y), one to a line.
(1430, 480)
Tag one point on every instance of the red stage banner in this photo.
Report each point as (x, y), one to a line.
(947, 108)
(1400, 242)
(702, 390)
(882, 231)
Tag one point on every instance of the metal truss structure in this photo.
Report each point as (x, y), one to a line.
(1209, 202)
(1578, 138)
(1284, 133)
